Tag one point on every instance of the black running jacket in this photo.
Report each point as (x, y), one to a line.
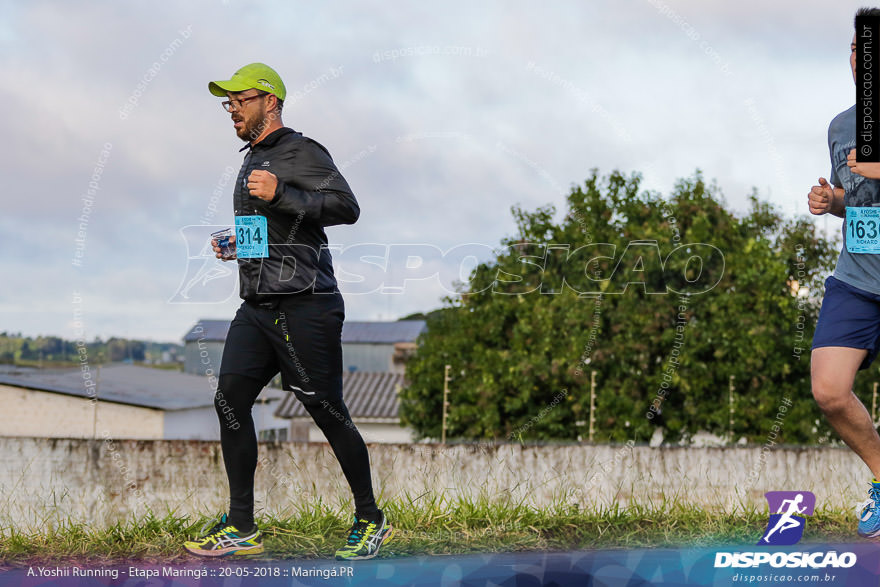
(311, 194)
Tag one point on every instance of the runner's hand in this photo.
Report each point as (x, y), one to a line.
(869, 170)
(261, 184)
(219, 253)
(821, 197)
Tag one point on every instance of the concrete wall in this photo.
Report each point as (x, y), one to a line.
(47, 481)
(27, 412)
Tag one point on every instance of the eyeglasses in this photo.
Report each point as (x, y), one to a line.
(229, 104)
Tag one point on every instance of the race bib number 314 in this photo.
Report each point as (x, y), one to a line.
(251, 237)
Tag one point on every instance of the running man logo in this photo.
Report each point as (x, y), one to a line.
(786, 526)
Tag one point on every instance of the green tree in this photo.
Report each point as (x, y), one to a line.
(27, 353)
(117, 349)
(665, 299)
(136, 350)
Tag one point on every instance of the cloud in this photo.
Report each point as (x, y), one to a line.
(444, 117)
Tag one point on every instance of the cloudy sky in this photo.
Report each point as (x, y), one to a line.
(441, 117)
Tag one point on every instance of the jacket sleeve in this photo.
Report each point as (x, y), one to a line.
(318, 191)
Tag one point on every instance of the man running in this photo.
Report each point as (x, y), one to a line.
(848, 330)
(287, 191)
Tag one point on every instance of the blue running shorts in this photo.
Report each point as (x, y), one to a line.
(850, 317)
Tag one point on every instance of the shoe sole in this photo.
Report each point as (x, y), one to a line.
(385, 539)
(221, 552)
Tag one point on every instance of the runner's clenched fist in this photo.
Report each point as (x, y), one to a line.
(261, 184)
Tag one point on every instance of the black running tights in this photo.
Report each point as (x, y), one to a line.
(234, 399)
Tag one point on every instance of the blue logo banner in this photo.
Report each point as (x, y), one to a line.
(805, 564)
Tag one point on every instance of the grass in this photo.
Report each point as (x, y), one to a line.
(428, 524)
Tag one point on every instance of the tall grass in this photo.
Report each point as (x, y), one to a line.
(426, 524)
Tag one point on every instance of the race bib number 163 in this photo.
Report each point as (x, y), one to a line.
(863, 229)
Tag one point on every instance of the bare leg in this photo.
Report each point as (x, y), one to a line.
(833, 371)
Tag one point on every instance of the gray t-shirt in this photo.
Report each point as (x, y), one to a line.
(857, 269)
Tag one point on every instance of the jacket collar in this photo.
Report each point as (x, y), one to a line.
(271, 139)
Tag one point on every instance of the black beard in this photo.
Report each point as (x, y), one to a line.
(251, 134)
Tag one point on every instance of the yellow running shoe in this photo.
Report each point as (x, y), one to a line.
(364, 539)
(224, 539)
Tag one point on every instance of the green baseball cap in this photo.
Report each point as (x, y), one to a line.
(258, 76)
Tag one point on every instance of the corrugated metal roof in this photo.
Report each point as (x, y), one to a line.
(367, 395)
(208, 330)
(128, 384)
(382, 332)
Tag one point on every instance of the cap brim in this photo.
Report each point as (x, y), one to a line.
(220, 88)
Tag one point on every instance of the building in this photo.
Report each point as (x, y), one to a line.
(379, 347)
(203, 346)
(372, 401)
(375, 347)
(128, 401)
(132, 402)
(374, 356)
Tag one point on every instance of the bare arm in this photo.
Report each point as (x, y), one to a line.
(838, 208)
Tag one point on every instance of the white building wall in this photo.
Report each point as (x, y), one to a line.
(196, 360)
(372, 432)
(371, 358)
(203, 424)
(27, 412)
